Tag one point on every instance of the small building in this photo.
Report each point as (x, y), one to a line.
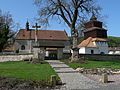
(49, 42)
(114, 50)
(95, 38)
(93, 46)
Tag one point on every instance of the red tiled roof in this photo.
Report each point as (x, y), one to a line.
(89, 42)
(42, 34)
(99, 39)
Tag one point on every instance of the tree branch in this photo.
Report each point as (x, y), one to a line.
(62, 14)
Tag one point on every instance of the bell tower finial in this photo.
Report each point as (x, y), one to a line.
(93, 18)
(27, 25)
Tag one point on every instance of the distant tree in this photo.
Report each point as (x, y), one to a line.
(6, 34)
(72, 12)
(113, 41)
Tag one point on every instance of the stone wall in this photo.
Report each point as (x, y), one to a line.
(100, 57)
(4, 58)
(94, 56)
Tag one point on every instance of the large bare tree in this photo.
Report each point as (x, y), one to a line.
(72, 12)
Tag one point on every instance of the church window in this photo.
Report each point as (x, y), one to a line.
(92, 51)
(23, 47)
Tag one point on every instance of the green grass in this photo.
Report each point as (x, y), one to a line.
(96, 64)
(26, 71)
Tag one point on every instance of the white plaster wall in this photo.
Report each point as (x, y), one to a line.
(82, 50)
(47, 53)
(111, 52)
(88, 50)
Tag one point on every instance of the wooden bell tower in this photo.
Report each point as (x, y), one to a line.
(94, 29)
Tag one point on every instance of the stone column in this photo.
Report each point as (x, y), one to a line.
(60, 53)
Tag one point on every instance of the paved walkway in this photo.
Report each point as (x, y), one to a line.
(72, 79)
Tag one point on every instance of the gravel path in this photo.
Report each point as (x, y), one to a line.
(72, 79)
(114, 82)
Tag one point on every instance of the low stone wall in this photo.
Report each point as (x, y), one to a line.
(94, 56)
(4, 58)
(99, 57)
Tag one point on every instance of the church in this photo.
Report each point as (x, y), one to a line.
(48, 43)
(51, 44)
(95, 38)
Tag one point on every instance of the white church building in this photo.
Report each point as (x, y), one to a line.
(93, 46)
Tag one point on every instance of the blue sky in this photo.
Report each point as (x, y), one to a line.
(22, 10)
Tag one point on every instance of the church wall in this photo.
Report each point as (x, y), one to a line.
(88, 50)
(103, 47)
(26, 43)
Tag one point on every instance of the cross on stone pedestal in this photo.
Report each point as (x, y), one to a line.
(36, 28)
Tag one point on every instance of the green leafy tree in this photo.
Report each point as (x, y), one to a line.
(114, 41)
(6, 34)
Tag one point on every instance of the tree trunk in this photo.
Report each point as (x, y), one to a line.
(75, 50)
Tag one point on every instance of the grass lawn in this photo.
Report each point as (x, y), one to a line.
(27, 71)
(97, 64)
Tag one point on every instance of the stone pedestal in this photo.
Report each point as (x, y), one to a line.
(60, 53)
(75, 54)
(104, 78)
(53, 80)
(39, 53)
(42, 54)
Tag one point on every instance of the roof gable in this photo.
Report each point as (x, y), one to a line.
(89, 42)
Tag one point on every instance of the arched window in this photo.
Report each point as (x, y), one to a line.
(23, 47)
(102, 53)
